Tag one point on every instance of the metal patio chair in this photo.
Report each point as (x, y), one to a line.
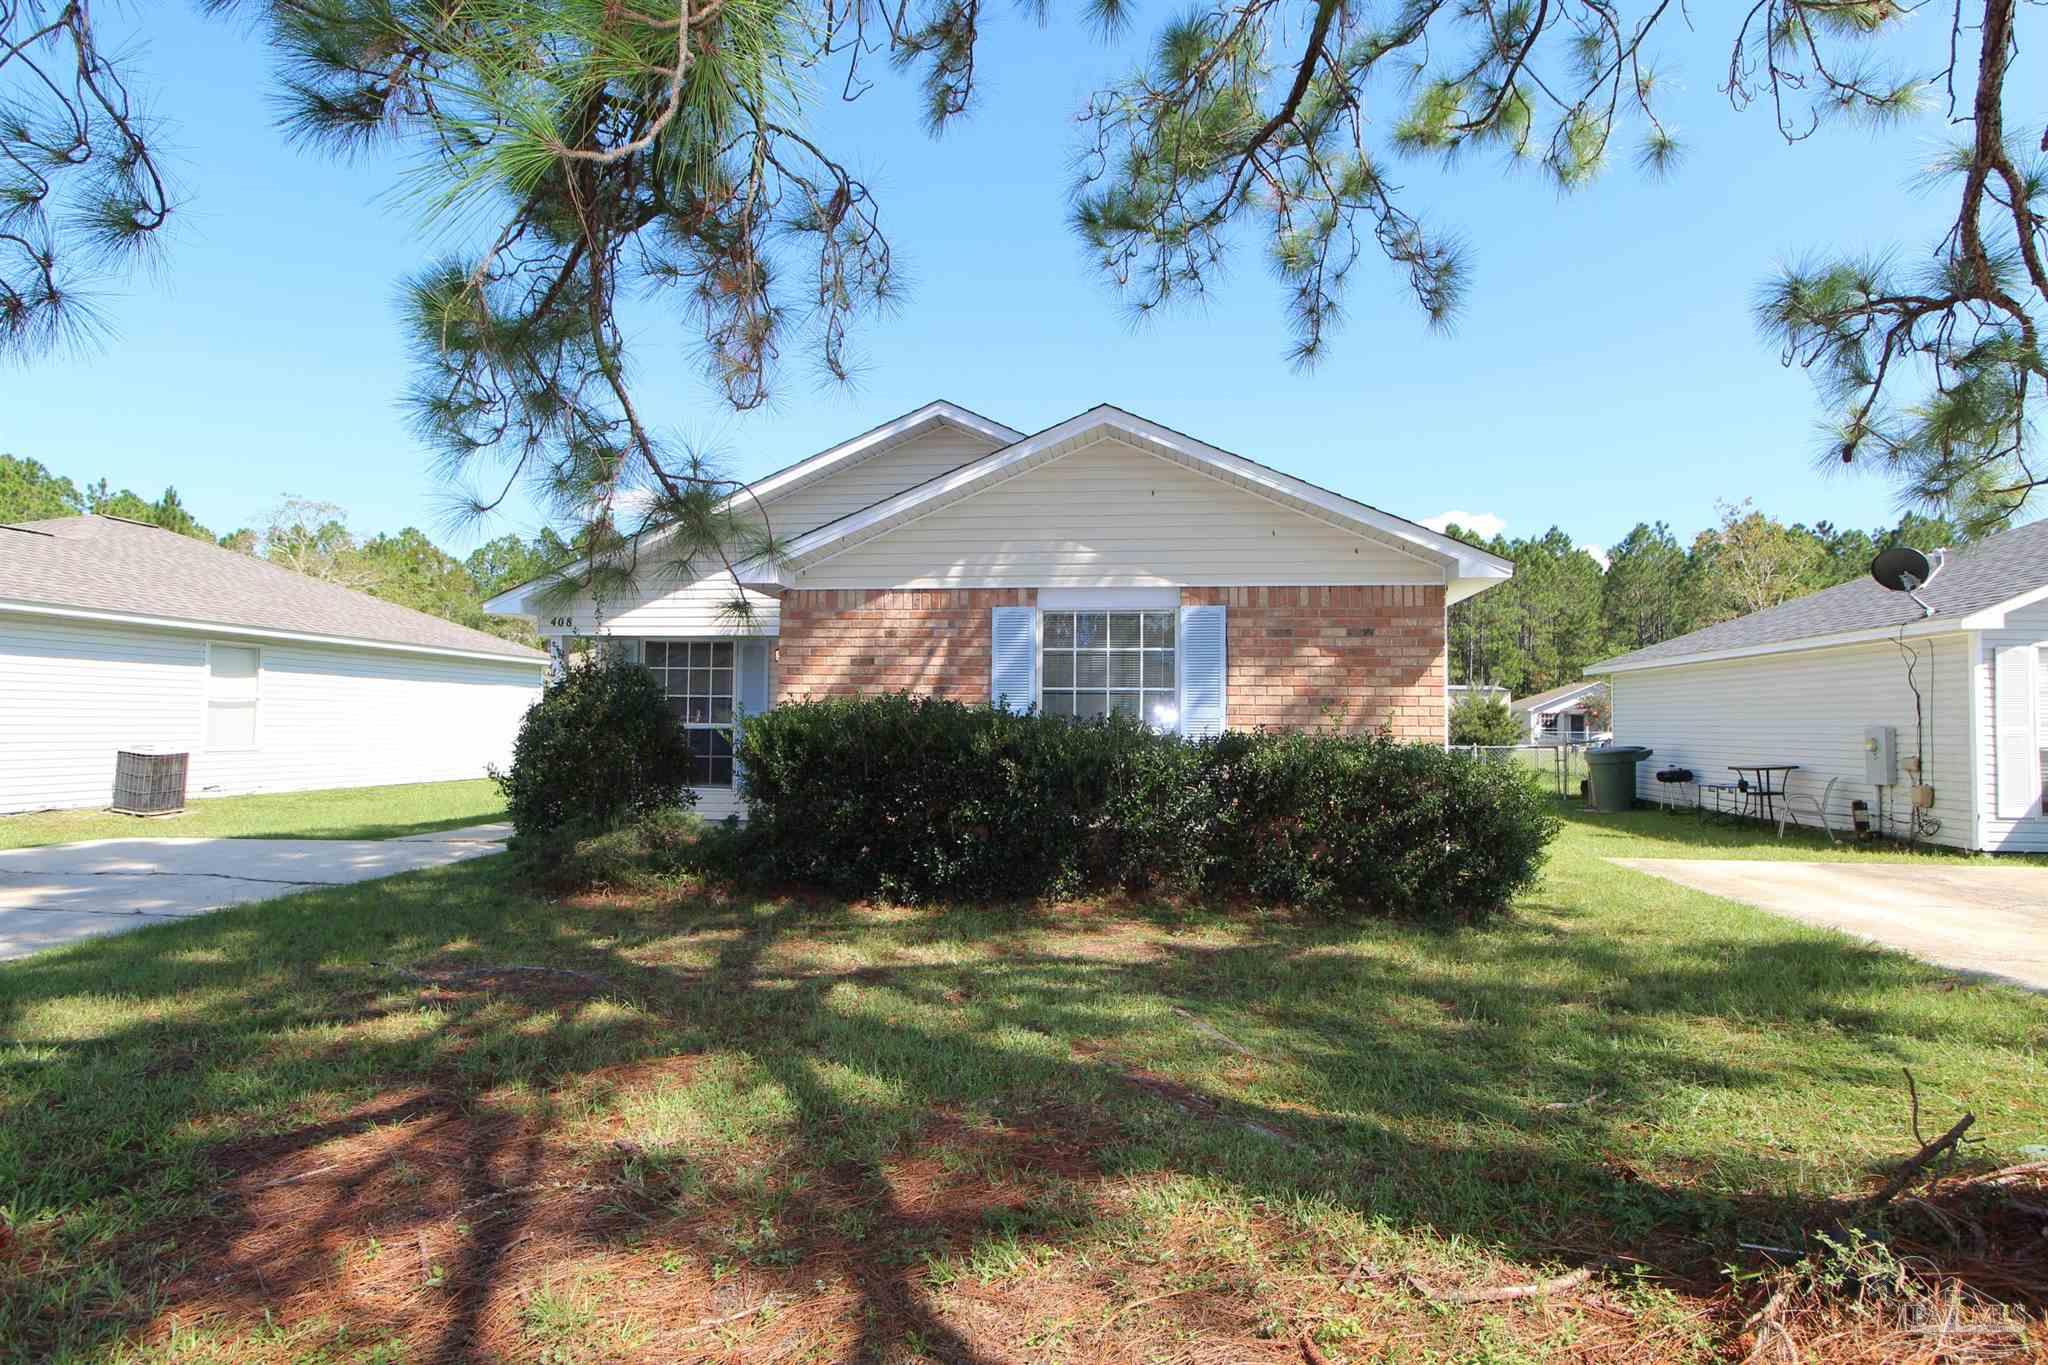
(1793, 802)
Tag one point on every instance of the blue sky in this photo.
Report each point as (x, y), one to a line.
(1604, 372)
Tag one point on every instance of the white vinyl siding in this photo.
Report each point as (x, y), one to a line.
(668, 602)
(1808, 708)
(862, 483)
(73, 695)
(664, 604)
(2025, 627)
(1111, 515)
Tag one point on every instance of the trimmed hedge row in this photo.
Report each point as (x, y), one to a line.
(919, 799)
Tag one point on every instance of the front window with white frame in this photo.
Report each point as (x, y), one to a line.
(1099, 663)
(234, 675)
(697, 677)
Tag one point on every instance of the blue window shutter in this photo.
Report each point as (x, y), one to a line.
(750, 696)
(1013, 657)
(1203, 665)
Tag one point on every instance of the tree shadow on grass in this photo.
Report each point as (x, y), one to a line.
(810, 1108)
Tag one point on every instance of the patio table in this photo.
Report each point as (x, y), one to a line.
(1763, 795)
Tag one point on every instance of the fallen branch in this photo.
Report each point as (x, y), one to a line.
(1764, 1322)
(1556, 1105)
(1571, 1279)
(1918, 1162)
(773, 1301)
(2005, 1173)
(1310, 1354)
(294, 1179)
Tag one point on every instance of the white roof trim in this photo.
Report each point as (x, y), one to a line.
(1993, 617)
(513, 601)
(215, 628)
(1558, 702)
(1466, 567)
(1935, 625)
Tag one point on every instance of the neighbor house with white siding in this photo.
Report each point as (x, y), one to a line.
(1103, 564)
(1957, 676)
(115, 635)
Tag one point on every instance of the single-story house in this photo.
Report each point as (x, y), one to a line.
(1106, 563)
(1861, 685)
(118, 635)
(1564, 715)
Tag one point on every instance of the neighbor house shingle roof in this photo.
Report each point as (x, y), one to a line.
(1994, 570)
(105, 564)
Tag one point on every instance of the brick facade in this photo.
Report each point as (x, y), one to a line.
(848, 642)
(1354, 659)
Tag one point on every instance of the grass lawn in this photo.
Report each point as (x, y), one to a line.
(344, 813)
(359, 1125)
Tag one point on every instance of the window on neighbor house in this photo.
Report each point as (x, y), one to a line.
(697, 678)
(233, 675)
(1098, 663)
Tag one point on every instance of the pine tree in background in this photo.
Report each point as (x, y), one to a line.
(30, 492)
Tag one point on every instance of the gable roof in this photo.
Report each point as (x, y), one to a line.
(811, 469)
(105, 568)
(1973, 590)
(1467, 570)
(1558, 696)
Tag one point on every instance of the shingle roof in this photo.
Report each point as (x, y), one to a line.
(1996, 569)
(1542, 699)
(106, 564)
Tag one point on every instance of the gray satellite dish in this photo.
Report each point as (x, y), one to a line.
(1904, 569)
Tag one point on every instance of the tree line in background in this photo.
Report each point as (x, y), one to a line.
(1562, 610)
(314, 538)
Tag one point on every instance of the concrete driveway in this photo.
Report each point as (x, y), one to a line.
(66, 892)
(1989, 920)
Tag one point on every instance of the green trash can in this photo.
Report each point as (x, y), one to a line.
(1614, 776)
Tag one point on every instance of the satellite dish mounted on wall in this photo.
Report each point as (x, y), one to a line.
(1904, 569)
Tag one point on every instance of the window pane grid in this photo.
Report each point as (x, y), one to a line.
(698, 679)
(1099, 663)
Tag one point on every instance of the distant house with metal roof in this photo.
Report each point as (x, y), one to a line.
(1928, 709)
(118, 635)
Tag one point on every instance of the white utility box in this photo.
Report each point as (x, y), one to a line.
(1881, 755)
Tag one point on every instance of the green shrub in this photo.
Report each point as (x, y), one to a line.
(643, 854)
(1485, 720)
(921, 799)
(598, 749)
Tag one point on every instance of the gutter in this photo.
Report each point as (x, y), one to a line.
(1874, 635)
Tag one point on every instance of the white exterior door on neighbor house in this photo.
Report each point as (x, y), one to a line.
(2020, 750)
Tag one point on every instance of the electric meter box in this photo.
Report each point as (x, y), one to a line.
(1881, 755)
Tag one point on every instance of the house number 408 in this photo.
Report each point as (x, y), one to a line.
(566, 622)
